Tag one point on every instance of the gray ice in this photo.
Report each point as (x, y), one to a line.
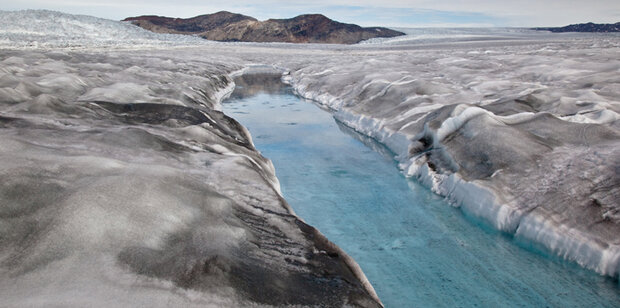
(124, 185)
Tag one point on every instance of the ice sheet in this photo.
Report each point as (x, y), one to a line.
(124, 186)
(491, 119)
(91, 123)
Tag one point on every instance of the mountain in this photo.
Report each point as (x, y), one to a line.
(587, 27)
(231, 27)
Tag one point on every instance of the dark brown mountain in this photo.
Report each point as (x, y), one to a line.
(587, 27)
(226, 26)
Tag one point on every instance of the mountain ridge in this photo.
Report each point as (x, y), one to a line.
(227, 26)
(585, 27)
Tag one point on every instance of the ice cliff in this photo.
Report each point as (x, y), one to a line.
(521, 133)
(122, 185)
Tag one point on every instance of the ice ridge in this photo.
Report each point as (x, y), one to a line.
(525, 149)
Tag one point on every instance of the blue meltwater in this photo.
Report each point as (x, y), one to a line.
(415, 248)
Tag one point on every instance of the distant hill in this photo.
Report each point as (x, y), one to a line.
(226, 26)
(588, 27)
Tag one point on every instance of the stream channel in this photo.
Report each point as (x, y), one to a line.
(415, 248)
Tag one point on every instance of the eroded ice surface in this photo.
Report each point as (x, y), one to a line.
(519, 130)
(523, 134)
(50, 29)
(416, 249)
(123, 186)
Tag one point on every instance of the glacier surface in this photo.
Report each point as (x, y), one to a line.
(123, 185)
(122, 178)
(522, 133)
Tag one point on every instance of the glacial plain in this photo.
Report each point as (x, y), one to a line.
(123, 183)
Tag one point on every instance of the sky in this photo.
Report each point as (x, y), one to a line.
(390, 13)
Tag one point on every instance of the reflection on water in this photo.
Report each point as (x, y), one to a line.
(370, 142)
(253, 83)
(416, 249)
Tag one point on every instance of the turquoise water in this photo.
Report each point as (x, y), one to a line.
(416, 249)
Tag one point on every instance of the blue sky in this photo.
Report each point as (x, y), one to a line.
(394, 13)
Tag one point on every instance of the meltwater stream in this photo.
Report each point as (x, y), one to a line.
(416, 249)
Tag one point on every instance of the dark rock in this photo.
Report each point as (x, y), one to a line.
(226, 26)
(587, 27)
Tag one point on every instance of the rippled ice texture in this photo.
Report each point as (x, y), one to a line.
(416, 250)
(521, 131)
(49, 29)
(122, 185)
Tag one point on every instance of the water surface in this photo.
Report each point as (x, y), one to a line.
(415, 248)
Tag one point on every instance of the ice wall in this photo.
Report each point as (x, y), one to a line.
(522, 133)
(122, 185)
(50, 29)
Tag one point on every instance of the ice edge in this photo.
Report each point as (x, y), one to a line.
(355, 268)
(473, 197)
